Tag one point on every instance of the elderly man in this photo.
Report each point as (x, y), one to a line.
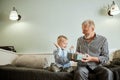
(95, 47)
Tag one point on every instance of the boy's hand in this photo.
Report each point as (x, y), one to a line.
(72, 47)
(56, 45)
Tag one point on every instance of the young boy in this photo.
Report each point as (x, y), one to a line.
(60, 53)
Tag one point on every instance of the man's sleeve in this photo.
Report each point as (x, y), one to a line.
(104, 53)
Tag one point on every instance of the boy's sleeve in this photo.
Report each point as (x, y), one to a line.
(57, 52)
(57, 55)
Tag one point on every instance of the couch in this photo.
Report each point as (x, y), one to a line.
(16, 66)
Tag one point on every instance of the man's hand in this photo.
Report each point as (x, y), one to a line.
(89, 58)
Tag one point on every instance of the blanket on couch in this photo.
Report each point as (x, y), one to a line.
(10, 72)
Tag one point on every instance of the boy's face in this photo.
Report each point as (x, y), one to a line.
(62, 42)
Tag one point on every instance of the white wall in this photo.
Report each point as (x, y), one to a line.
(43, 20)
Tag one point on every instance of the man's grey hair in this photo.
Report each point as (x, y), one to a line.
(88, 23)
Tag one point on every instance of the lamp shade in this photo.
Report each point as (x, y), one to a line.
(13, 14)
(114, 9)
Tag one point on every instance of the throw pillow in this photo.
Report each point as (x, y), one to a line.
(31, 61)
(7, 57)
(116, 54)
(9, 48)
(116, 58)
(111, 53)
(116, 61)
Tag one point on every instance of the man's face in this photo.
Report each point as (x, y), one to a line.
(63, 43)
(87, 30)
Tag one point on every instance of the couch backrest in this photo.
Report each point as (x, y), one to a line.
(8, 57)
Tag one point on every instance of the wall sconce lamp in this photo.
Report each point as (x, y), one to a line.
(14, 15)
(113, 9)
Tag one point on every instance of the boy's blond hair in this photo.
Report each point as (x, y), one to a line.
(60, 37)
